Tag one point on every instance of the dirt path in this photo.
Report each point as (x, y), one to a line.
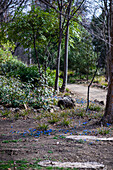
(81, 91)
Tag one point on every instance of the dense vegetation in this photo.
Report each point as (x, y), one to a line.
(41, 36)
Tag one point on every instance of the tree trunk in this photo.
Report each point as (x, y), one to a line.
(59, 51)
(66, 49)
(108, 115)
(65, 58)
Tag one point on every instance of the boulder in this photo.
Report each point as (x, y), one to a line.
(66, 102)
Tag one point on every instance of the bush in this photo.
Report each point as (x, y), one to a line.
(15, 93)
(16, 68)
(51, 78)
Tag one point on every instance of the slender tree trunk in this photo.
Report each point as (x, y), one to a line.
(108, 115)
(66, 49)
(89, 88)
(59, 52)
(65, 58)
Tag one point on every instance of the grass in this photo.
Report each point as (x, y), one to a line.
(65, 122)
(103, 131)
(11, 141)
(53, 120)
(42, 127)
(94, 107)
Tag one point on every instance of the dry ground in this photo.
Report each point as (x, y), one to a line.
(24, 142)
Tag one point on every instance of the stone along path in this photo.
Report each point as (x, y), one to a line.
(81, 91)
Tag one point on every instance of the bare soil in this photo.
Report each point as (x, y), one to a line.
(95, 93)
(17, 144)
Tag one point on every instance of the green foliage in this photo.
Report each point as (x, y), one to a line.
(11, 141)
(42, 127)
(16, 93)
(65, 122)
(95, 107)
(51, 78)
(5, 54)
(103, 131)
(16, 68)
(81, 56)
(53, 120)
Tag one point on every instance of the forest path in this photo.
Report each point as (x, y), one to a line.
(81, 91)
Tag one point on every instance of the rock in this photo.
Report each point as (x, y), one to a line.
(16, 110)
(66, 102)
(81, 165)
(99, 102)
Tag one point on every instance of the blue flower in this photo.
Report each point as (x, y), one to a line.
(50, 130)
(84, 123)
(85, 130)
(108, 124)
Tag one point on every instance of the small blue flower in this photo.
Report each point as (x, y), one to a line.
(34, 130)
(108, 124)
(84, 123)
(50, 130)
(11, 126)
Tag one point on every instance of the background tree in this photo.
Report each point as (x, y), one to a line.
(34, 30)
(70, 9)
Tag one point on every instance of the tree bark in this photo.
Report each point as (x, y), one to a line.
(108, 115)
(59, 51)
(65, 58)
(66, 49)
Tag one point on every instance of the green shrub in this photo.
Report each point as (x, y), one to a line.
(51, 78)
(16, 68)
(16, 93)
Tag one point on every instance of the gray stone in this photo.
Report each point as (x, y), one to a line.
(87, 165)
(78, 137)
(66, 102)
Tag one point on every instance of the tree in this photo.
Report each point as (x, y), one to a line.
(70, 9)
(36, 29)
(9, 6)
(108, 115)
